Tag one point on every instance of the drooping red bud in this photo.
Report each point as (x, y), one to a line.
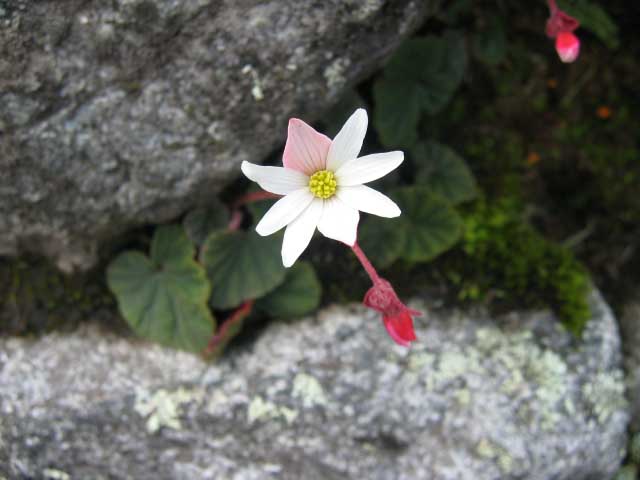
(397, 317)
(561, 26)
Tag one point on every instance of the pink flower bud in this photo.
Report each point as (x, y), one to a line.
(567, 46)
(397, 317)
(561, 27)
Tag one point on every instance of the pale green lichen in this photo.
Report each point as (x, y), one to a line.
(260, 409)
(309, 390)
(420, 360)
(53, 474)
(489, 450)
(334, 73)
(257, 89)
(605, 394)
(452, 365)
(366, 8)
(529, 364)
(163, 408)
(463, 396)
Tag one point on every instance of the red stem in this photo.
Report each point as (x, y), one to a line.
(254, 197)
(241, 312)
(552, 6)
(236, 221)
(371, 271)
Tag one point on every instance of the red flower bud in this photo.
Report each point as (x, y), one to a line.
(561, 26)
(397, 317)
(567, 46)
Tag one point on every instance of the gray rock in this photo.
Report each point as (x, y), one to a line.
(630, 332)
(327, 398)
(120, 113)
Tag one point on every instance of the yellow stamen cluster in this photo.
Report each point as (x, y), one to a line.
(323, 184)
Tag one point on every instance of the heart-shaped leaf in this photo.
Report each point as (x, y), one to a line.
(298, 295)
(397, 111)
(164, 298)
(432, 224)
(444, 172)
(490, 44)
(383, 239)
(241, 266)
(199, 223)
(421, 77)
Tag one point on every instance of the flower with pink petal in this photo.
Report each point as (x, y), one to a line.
(323, 185)
(561, 26)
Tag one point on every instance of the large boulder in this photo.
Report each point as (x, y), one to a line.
(325, 398)
(630, 330)
(125, 112)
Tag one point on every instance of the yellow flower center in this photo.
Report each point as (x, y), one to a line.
(323, 184)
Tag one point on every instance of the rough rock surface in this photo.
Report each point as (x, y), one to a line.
(326, 398)
(630, 331)
(124, 112)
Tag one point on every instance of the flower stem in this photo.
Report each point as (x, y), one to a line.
(371, 271)
(254, 197)
(553, 7)
(236, 220)
(220, 336)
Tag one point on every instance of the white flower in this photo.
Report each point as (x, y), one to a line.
(323, 185)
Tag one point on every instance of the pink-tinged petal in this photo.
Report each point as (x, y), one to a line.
(339, 221)
(368, 200)
(299, 232)
(306, 150)
(368, 168)
(281, 181)
(347, 144)
(284, 211)
(567, 46)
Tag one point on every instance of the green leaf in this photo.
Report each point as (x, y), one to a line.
(490, 44)
(455, 9)
(432, 224)
(199, 223)
(164, 298)
(397, 111)
(383, 239)
(298, 295)
(241, 266)
(444, 172)
(420, 78)
(594, 18)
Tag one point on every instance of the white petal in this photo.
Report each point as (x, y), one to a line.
(299, 232)
(368, 200)
(368, 168)
(347, 144)
(276, 180)
(339, 221)
(284, 211)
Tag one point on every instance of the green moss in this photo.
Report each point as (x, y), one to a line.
(35, 297)
(502, 258)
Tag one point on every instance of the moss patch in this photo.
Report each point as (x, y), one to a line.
(505, 260)
(36, 298)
